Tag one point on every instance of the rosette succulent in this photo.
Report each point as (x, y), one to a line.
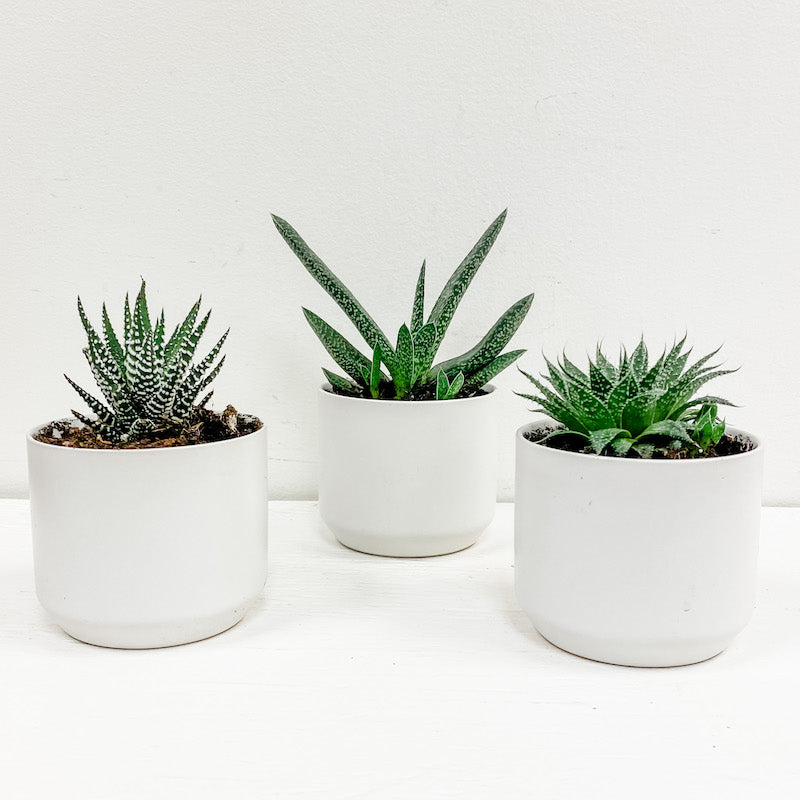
(633, 408)
(148, 380)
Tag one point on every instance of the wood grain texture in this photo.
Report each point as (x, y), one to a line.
(364, 677)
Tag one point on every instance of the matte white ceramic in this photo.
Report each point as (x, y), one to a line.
(407, 478)
(636, 562)
(153, 547)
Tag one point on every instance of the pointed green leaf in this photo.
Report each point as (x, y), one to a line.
(492, 343)
(492, 369)
(639, 361)
(112, 343)
(340, 383)
(442, 385)
(418, 313)
(375, 373)
(447, 302)
(638, 413)
(404, 362)
(599, 440)
(343, 297)
(620, 447)
(455, 386)
(348, 357)
(667, 427)
(424, 350)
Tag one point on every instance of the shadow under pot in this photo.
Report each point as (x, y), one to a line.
(407, 478)
(141, 548)
(647, 563)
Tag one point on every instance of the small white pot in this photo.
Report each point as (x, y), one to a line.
(634, 562)
(152, 547)
(407, 478)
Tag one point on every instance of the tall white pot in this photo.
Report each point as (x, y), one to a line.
(152, 547)
(634, 562)
(407, 478)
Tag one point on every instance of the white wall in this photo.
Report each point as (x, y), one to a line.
(647, 152)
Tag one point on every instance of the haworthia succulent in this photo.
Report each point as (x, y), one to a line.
(409, 362)
(632, 408)
(149, 384)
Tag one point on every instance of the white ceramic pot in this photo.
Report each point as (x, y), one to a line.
(634, 562)
(407, 478)
(152, 547)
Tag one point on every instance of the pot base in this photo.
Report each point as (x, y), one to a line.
(407, 546)
(643, 653)
(150, 636)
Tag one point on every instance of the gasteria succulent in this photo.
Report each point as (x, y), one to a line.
(634, 409)
(148, 381)
(409, 362)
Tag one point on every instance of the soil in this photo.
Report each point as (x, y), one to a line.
(423, 394)
(205, 426)
(727, 446)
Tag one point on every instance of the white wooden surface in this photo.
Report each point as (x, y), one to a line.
(364, 677)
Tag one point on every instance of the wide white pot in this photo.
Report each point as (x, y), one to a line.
(407, 478)
(634, 562)
(149, 548)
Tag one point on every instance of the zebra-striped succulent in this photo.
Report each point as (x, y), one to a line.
(412, 375)
(633, 409)
(149, 381)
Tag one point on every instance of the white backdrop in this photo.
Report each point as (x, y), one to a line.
(647, 151)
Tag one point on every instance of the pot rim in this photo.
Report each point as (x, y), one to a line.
(489, 389)
(632, 463)
(112, 452)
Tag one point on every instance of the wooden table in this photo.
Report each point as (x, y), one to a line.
(363, 677)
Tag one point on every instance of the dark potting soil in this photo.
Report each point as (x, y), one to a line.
(205, 426)
(727, 446)
(426, 393)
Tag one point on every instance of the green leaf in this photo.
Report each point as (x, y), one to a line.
(679, 394)
(112, 343)
(673, 364)
(557, 379)
(456, 286)
(350, 359)
(341, 295)
(643, 449)
(158, 341)
(639, 362)
(600, 384)
(556, 407)
(104, 414)
(455, 386)
(375, 374)
(605, 366)
(127, 321)
(667, 427)
(340, 383)
(442, 385)
(577, 375)
(424, 350)
(620, 447)
(404, 363)
(599, 440)
(492, 343)
(638, 413)
(182, 332)
(492, 369)
(590, 409)
(418, 313)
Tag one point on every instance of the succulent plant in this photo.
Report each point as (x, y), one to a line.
(412, 375)
(149, 382)
(632, 408)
